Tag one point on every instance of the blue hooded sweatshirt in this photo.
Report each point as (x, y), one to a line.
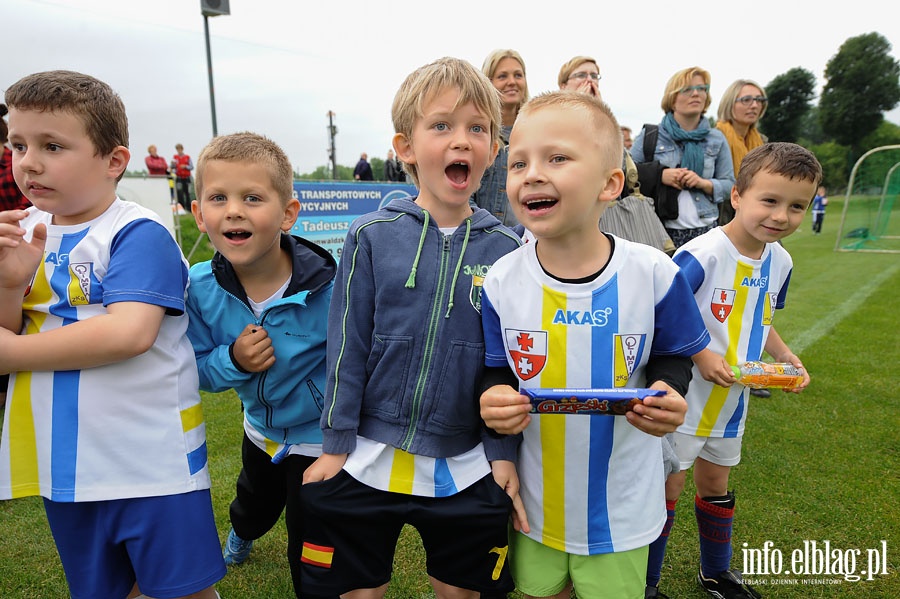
(405, 343)
(284, 403)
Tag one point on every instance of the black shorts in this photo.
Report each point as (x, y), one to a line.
(351, 532)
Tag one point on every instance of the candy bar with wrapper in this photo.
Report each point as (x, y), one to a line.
(587, 401)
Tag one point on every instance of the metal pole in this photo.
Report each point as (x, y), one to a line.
(331, 133)
(212, 95)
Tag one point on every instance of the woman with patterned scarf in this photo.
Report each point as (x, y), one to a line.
(742, 105)
(697, 158)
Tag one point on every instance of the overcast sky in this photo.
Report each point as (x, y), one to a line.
(280, 65)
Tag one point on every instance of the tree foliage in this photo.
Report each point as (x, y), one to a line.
(863, 82)
(790, 97)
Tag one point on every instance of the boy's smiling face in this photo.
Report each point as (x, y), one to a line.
(451, 148)
(242, 213)
(771, 208)
(57, 167)
(558, 183)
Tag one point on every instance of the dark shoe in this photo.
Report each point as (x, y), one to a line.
(760, 393)
(727, 585)
(652, 592)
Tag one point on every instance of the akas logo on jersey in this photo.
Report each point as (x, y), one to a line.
(528, 350)
(722, 303)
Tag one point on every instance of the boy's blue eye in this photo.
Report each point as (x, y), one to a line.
(440, 126)
(217, 198)
(252, 198)
(517, 165)
(478, 129)
(558, 159)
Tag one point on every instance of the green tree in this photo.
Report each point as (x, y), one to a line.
(834, 159)
(790, 96)
(863, 82)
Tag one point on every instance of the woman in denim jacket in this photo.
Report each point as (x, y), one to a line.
(506, 70)
(698, 159)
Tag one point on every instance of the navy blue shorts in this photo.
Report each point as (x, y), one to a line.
(167, 544)
(351, 531)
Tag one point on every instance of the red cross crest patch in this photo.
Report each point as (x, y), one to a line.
(528, 350)
(722, 303)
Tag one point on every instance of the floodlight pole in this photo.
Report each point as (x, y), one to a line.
(212, 93)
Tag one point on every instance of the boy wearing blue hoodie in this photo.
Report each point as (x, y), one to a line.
(402, 439)
(258, 313)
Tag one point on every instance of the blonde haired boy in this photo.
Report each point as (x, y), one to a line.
(578, 308)
(403, 443)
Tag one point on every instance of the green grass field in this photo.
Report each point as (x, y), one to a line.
(821, 466)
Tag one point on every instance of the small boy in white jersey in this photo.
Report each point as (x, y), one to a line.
(103, 417)
(402, 440)
(739, 274)
(578, 308)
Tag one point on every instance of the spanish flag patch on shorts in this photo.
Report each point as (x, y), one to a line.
(317, 555)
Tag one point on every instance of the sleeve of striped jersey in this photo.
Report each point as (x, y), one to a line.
(782, 293)
(494, 347)
(679, 328)
(145, 265)
(691, 268)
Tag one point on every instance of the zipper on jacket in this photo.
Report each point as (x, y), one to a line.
(433, 322)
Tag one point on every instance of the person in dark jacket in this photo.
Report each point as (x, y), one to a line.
(363, 170)
(258, 314)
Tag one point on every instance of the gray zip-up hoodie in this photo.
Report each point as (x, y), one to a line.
(405, 344)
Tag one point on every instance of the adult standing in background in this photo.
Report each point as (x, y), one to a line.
(363, 170)
(393, 170)
(506, 70)
(182, 165)
(742, 105)
(698, 169)
(156, 164)
(626, 137)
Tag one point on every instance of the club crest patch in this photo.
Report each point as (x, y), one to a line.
(769, 309)
(721, 304)
(627, 351)
(528, 350)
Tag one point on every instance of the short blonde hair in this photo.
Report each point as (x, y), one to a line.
(252, 148)
(605, 124)
(726, 105)
(681, 80)
(567, 69)
(489, 68)
(424, 83)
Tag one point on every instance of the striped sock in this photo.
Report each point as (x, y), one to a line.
(714, 519)
(658, 547)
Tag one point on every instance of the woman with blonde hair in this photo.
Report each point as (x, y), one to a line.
(506, 70)
(742, 105)
(698, 171)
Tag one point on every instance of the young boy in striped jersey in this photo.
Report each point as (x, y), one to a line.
(739, 274)
(578, 308)
(104, 419)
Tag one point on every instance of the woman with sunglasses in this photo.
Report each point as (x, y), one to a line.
(742, 105)
(698, 171)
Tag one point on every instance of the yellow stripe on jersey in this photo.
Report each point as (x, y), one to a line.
(719, 394)
(553, 428)
(271, 447)
(403, 472)
(40, 293)
(23, 471)
(191, 417)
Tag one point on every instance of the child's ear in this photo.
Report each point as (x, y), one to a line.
(613, 187)
(735, 197)
(403, 148)
(118, 161)
(291, 212)
(198, 215)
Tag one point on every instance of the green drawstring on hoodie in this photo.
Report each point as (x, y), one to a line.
(458, 266)
(411, 281)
